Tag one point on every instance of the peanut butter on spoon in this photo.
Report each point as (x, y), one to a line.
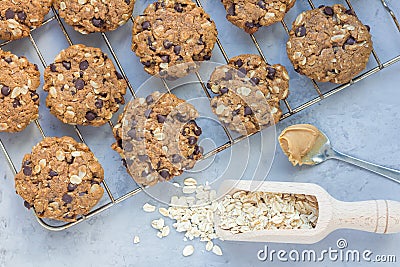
(297, 141)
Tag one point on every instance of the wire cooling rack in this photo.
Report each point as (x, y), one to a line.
(50, 225)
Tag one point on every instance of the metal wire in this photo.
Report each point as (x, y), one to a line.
(112, 200)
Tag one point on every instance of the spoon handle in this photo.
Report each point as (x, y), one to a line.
(392, 174)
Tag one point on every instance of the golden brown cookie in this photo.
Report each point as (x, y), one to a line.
(60, 179)
(157, 138)
(84, 86)
(250, 15)
(248, 93)
(87, 16)
(171, 35)
(18, 17)
(329, 44)
(19, 102)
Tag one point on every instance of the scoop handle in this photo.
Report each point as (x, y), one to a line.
(378, 216)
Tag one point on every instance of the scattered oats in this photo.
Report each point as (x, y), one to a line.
(190, 181)
(188, 250)
(149, 208)
(209, 245)
(163, 212)
(217, 250)
(158, 224)
(165, 231)
(189, 189)
(136, 240)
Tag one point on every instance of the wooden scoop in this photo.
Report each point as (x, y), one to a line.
(378, 216)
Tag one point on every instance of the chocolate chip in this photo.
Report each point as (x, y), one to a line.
(271, 73)
(53, 67)
(67, 65)
(144, 174)
(27, 205)
(21, 15)
(228, 76)
(255, 80)
(350, 41)
(132, 133)
(90, 115)
(242, 72)
(5, 90)
(165, 58)
(198, 150)
(177, 49)
(16, 103)
(207, 57)
(192, 140)
(368, 27)
(79, 84)
(34, 96)
(223, 90)
(99, 103)
(146, 63)
(146, 25)
(81, 194)
(67, 198)
(178, 7)
(97, 22)
(167, 44)
(71, 187)
(147, 113)
(235, 112)
(149, 99)
(128, 147)
(261, 4)
(84, 65)
(300, 31)
(350, 12)
(198, 131)
(164, 174)
(143, 157)
(8, 60)
(161, 118)
(53, 173)
(200, 41)
(10, 14)
(128, 2)
(238, 63)
(231, 10)
(328, 11)
(119, 76)
(27, 170)
(36, 66)
(247, 111)
(249, 24)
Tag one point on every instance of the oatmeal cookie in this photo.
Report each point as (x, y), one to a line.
(17, 17)
(19, 102)
(171, 36)
(95, 15)
(84, 86)
(157, 137)
(248, 93)
(250, 15)
(329, 44)
(60, 179)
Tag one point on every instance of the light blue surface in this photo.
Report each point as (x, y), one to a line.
(363, 121)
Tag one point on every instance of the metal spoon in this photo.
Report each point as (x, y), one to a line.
(322, 151)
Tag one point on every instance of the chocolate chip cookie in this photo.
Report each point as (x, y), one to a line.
(248, 93)
(171, 36)
(87, 16)
(329, 44)
(84, 87)
(19, 102)
(17, 17)
(157, 138)
(60, 179)
(250, 15)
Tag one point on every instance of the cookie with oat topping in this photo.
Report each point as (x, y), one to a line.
(250, 15)
(19, 102)
(329, 44)
(87, 16)
(157, 137)
(248, 93)
(60, 179)
(171, 36)
(17, 17)
(84, 86)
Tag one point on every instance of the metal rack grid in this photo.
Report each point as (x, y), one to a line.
(112, 200)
